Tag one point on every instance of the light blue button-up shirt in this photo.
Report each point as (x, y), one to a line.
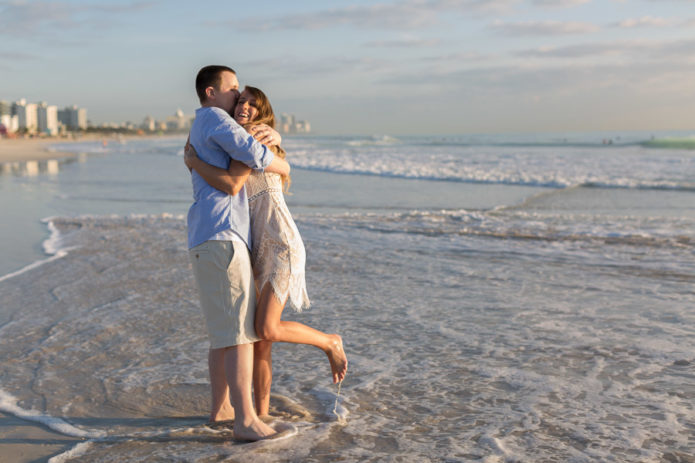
(217, 137)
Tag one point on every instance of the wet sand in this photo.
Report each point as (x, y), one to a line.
(37, 149)
(22, 440)
(20, 149)
(114, 343)
(25, 441)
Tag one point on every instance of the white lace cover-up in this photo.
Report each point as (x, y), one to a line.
(278, 254)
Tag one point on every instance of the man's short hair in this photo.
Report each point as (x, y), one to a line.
(210, 76)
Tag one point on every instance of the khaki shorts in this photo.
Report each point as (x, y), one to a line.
(224, 277)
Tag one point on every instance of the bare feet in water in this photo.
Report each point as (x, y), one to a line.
(254, 431)
(224, 414)
(336, 355)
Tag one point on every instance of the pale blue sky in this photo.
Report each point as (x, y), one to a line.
(367, 67)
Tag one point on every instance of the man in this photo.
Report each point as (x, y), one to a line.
(219, 243)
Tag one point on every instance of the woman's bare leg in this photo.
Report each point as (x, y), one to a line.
(270, 327)
(262, 376)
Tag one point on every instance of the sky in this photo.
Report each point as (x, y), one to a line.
(366, 67)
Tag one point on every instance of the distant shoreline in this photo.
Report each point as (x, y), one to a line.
(30, 149)
(37, 149)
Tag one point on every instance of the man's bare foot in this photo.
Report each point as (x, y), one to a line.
(336, 355)
(254, 431)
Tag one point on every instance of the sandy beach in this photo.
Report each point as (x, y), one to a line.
(30, 149)
(39, 149)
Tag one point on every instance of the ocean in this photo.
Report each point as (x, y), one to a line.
(502, 298)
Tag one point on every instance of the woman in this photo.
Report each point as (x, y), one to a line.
(277, 257)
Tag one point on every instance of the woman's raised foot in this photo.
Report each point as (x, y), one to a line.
(337, 358)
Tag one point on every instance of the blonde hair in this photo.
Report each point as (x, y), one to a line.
(266, 116)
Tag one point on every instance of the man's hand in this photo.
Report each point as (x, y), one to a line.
(189, 154)
(265, 134)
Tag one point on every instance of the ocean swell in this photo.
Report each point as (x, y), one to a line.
(624, 167)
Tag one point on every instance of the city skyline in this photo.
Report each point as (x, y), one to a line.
(45, 119)
(412, 66)
(22, 116)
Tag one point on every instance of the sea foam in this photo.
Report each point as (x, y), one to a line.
(557, 166)
(8, 404)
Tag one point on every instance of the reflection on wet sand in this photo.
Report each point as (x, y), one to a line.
(33, 168)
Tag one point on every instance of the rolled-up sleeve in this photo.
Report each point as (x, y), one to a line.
(241, 146)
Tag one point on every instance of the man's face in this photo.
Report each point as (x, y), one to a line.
(227, 95)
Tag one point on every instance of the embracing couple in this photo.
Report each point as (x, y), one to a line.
(245, 249)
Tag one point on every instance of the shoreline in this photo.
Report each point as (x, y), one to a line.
(22, 150)
(46, 149)
(23, 439)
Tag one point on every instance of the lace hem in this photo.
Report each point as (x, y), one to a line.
(292, 289)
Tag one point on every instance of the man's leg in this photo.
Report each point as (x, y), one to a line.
(221, 409)
(227, 297)
(262, 376)
(238, 362)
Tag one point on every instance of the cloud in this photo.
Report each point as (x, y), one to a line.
(543, 28)
(9, 58)
(30, 19)
(456, 58)
(294, 66)
(476, 7)
(571, 79)
(379, 16)
(405, 15)
(576, 51)
(16, 56)
(644, 21)
(679, 50)
(560, 3)
(403, 43)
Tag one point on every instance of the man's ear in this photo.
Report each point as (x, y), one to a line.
(210, 92)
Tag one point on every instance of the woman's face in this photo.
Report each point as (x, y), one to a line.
(245, 110)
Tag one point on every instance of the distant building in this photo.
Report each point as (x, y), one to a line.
(15, 105)
(8, 116)
(47, 118)
(178, 122)
(303, 127)
(73, 117)
(11, 123)
(149, 124)
(27, 115)
(289, 124)
(286, 122)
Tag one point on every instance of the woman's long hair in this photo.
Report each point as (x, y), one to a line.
(266, 116)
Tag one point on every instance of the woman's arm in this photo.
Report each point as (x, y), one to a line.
(278, 166)
(268, 136)
(265, 134)
(229, 181)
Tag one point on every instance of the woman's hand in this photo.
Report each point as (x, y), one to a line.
(189, 154)
(265, 134)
